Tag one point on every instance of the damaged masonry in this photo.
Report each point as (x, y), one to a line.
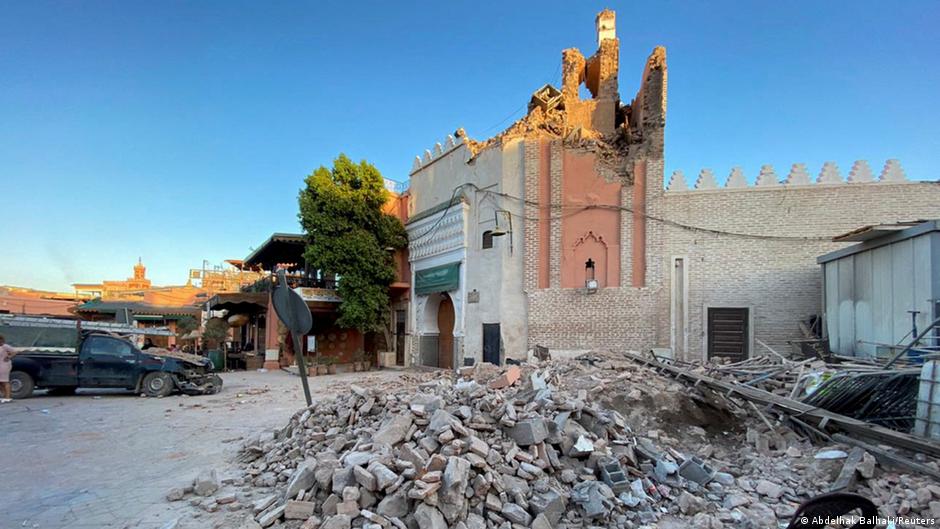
(565, 211)
(602, 440)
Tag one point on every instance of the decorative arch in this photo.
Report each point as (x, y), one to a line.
(590, 247)
(593, 246)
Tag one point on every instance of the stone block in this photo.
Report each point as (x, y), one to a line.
(516, 514)
(394, 431)
(508, 378)
(271, 516)
(365, 478)
(303, 478)
(299, 510)
(429, 517)
(339, 521)
(529, 432)
(394, 505)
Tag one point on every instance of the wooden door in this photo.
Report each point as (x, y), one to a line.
(400, 337)
(728, 332)
(491, 343)
(445, 325)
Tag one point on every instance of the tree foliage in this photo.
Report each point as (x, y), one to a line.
(186, 325)
(348, 234)
(215, 332)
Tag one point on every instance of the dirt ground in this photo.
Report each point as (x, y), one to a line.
(107, 459)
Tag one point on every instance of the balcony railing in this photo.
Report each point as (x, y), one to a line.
(293, 281)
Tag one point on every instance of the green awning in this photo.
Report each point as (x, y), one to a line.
(437, 279)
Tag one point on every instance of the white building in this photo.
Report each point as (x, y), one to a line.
(466, 253)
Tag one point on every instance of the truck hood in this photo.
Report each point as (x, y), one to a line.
(173, 362)
(184, 358)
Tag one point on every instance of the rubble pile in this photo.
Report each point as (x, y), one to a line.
(563, 444)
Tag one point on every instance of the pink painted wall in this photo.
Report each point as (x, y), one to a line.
(270, 327)
(639, 224)
(591, 233)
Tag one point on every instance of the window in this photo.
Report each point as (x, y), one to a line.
(487, 239)
(102, 346)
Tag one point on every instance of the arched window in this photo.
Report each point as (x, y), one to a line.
(487, 239)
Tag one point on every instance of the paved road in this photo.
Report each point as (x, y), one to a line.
(106, 459)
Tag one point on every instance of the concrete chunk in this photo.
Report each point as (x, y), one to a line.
(529, 432)
(516, 514)
(384, 476)
(429, 517)
(303, 478)
(340, 521)
(271, 516)
(394, 431)
(365, 478)
(299, 510)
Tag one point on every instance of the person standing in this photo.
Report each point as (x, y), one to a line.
(6, 365)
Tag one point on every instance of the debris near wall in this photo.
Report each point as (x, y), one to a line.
(595, 441)
(855, 387)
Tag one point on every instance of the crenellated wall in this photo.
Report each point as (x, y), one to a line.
(738, 245)
(860, 173)
(755, 246)
(456, 195)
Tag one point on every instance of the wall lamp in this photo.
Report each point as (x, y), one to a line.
(499, 231)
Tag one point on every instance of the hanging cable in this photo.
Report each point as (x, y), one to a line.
(650, 217)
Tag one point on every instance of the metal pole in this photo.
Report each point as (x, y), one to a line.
(913, 343)
(914, 314)
(301, 366)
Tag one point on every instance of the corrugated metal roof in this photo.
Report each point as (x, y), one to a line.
(866, 233)
(112, 307)
(878, 239)
(275, 248)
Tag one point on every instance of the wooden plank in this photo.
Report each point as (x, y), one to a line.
(884, 456)
(846, 479)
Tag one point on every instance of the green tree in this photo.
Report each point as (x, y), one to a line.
(216, 331)
(186, 325)
(348, 234)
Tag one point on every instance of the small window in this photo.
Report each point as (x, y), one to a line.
(487, 239)
(100, 345)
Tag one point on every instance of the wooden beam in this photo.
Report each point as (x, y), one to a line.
(884, 456)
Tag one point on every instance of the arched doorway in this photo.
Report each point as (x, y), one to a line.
(445, 326)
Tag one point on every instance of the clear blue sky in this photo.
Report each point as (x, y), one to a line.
(179, 132)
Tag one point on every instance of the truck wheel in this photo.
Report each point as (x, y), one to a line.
(21, 385)
(216, 382)
(157, 385)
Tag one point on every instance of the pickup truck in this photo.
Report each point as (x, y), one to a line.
(101, 359)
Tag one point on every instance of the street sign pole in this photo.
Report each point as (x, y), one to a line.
(293, 311)
(302, 365)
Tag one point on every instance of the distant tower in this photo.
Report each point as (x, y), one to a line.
(606, 23)
(140, 271)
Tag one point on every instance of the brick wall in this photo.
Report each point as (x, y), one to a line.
(615, 318)
(778, 279)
